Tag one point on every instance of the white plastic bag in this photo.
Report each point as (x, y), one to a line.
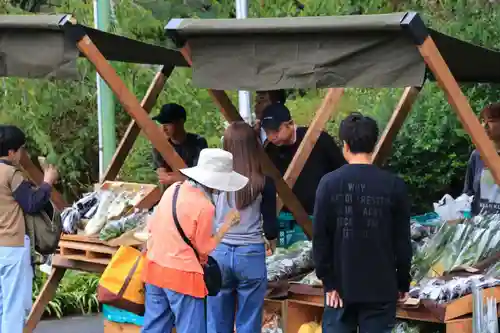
(452, 209)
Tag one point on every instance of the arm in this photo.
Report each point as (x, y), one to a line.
(31, 199)
(401, 235)
(469, 176)
(159, 163)
(204, 242)
(200, 145)
(268, 210)
(331, 151)
(323, 236)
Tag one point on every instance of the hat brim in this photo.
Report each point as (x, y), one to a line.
(161, 121)
(222, 181)
(270, 125)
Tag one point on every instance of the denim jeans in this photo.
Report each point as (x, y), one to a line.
(16, 282)
(369, 317)
(244, 283)
(166, 309)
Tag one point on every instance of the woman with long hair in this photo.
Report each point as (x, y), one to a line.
(241, 254)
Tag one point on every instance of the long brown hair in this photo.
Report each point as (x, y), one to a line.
(241, 141)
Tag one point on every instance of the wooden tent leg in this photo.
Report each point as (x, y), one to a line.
(458, 101)
(398, 117)
(133, 129)
(36, 175)
(129, 101)
(323, 114)
(46, 294)
(229, 112)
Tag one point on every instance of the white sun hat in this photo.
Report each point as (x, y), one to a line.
(215, 170)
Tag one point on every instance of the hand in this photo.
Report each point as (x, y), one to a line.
(50, 175)
(232, 218)
(168, 178)
(403, 297)
(270, 246)
(333, 299)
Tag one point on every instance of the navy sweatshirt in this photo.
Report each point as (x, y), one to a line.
(361, 234)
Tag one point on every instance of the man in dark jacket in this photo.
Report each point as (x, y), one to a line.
(361, 237)
(284, 139)
(188, 145)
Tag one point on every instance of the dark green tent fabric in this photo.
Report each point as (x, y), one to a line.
(317, 52)
(36, 46)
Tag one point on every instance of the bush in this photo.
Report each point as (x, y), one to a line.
(76, 294)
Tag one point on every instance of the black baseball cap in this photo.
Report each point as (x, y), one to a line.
(274, 115)
(170, 113)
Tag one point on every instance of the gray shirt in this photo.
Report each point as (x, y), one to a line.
(256, 220)
(480, 183)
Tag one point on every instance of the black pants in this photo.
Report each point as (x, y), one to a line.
(368, 317)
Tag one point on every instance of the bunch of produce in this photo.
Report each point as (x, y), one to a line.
(457, 245)
(312, 280)
(114, 229)
(403, 327)
(311, 327)
(271, 322)
(287, 263)
(84, 208)
(114, 204)
(442, 291)
(420, 235)
(416, 327)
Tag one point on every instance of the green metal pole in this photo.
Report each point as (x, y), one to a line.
(105, 98)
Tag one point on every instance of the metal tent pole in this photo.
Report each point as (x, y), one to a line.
(243, 96)
(105, 99)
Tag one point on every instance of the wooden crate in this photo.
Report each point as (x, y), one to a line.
(152, 192)
(91, 248)
(88, 249)
(279, 307)
(441, 313)
(301, 312)
(112, 327)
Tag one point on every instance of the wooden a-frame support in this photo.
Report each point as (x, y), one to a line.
(429, 52)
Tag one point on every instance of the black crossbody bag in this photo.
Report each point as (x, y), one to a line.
(211, 271)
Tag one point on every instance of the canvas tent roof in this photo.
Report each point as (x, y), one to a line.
(317, 52)
(23, 36)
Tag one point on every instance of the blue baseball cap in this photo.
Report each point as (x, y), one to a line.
(170, 113)
(274, 115)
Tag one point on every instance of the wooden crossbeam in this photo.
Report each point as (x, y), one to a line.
(134, 129)
(36, 176)
(131, 104)
(231, 114)
(460, 104)
(323, 114)
(384, 144)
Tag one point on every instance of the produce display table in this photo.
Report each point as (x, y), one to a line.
(306, 303)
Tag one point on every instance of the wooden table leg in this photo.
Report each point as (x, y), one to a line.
(46, 295)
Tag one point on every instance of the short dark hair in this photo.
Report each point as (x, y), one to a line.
(11, 138)
(359, 132)
(491, 111)
(276, 96)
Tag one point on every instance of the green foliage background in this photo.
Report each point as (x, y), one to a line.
(60, 118)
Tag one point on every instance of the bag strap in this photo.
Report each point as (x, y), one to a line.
(129, 276)
(176, 220)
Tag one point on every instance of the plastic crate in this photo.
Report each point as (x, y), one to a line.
(121, 316)
(289, 231)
